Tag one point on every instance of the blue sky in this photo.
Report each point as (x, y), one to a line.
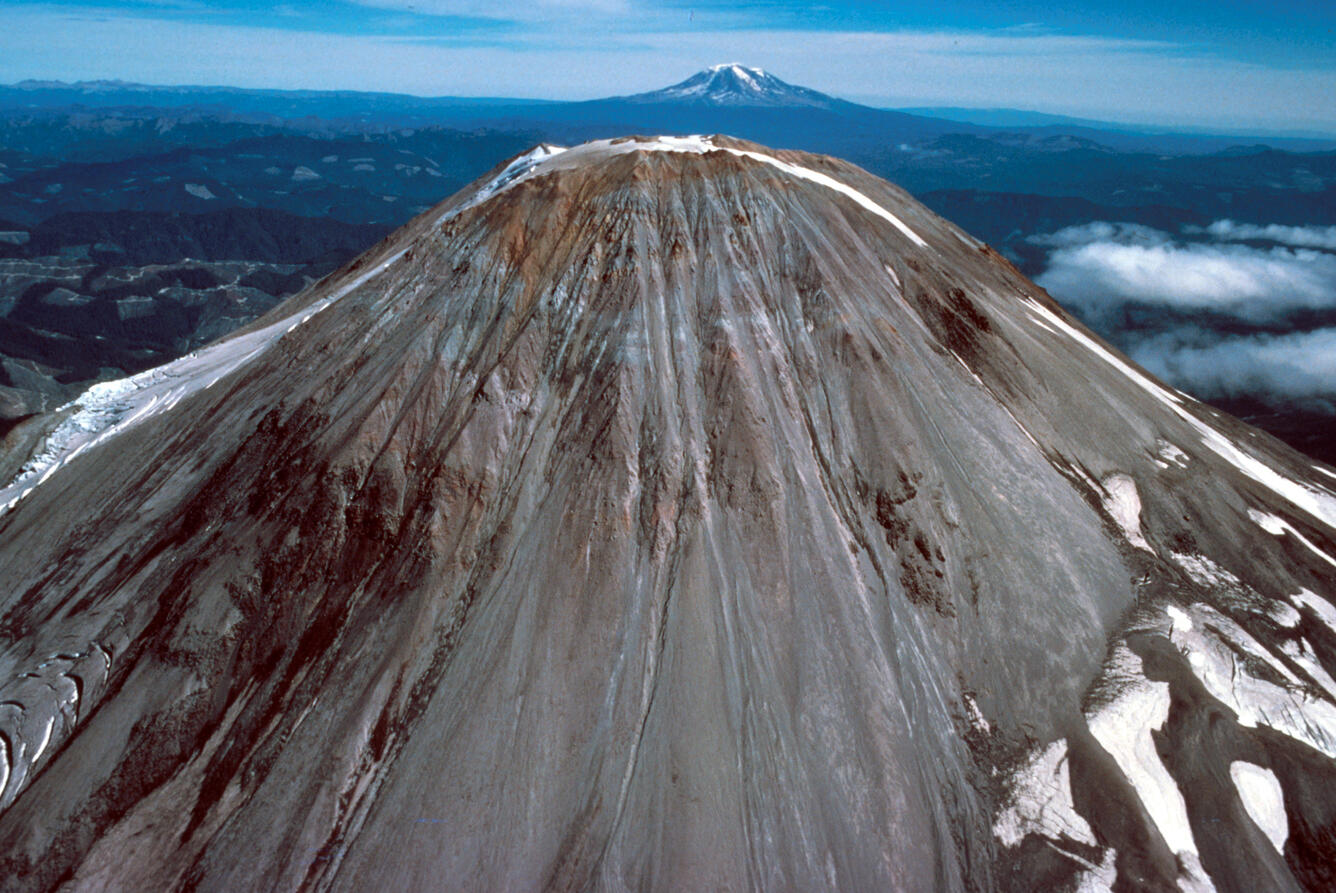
(1225, 63)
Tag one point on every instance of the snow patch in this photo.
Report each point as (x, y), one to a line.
(303, 174)
(1123, 504)
(739, 69)
(1123, 727)
(1193, 878)
(1301, 652)
(1041, 801)
(1320, 606)
(1206, 572)
(46, 739)
(1099, 878)
(1170, 454)
(517, 170)
(1213, 645)
(38, 711)
(977, 719)
(1283, 614)
(1262, 797)
(199, 190)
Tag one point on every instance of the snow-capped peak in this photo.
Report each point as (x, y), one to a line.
(735, 84)
(739, 71)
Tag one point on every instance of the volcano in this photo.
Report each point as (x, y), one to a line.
(734, 85)
(666, 513)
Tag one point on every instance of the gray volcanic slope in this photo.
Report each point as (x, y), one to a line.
(666, 514)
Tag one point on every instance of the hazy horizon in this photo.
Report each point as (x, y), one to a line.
(1176, 65)
(1075, 120)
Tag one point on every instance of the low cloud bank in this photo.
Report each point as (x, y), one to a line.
(1100, 270)
(1296, 368)
(1102, 267)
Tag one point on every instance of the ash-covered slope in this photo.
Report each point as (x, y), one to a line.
(668, 514)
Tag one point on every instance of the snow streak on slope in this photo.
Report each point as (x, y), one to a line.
(1279, 527)
(1317, 502)
(1124, 728)
(533, 164)
(1123, 504)
(109, 408)
(1221, 654)
(512, 173)
(831, 183)
(1264, 800)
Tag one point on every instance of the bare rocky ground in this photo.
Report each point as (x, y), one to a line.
(666, 514)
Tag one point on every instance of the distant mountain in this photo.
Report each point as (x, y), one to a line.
(732, 85)
(737, 99)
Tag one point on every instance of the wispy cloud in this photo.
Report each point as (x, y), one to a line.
(1101, 232)
(1298, 236)
(489, 9)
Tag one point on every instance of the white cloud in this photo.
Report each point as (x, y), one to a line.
(1296, 367)
(1298, 236)
(1101, 267)
(489, 9)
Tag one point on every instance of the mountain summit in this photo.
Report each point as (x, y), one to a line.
(734, 85)
(666, 514)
